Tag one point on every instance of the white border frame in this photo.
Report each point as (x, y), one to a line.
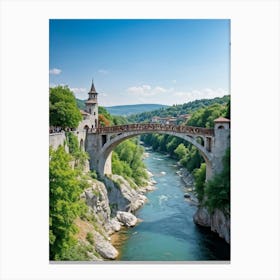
(255, 137)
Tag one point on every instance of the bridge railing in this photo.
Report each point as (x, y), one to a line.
(155, 127)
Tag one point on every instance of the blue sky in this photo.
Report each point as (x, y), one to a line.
(141, 61)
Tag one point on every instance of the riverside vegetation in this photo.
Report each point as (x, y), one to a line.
(85, 209)
(81, 216)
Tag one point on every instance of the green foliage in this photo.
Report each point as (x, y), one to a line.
(65, 204)
(199, 177)
(127, 161)
(217, 190)
(125, 110)
(90, 238)
(181, 151)
(81, 104)
(176, 110)
(204, 112)
(72, 142)
(205, 117)
(80, 156)
(93, 174)
(78, 252)
(227, 113)
(63, 108)
(118, 120)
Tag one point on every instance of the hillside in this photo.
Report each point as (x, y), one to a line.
(81, 103)
(177, 110)
(126, 110)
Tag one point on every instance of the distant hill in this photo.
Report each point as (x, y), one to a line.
(126, 110)
(176, 110)
(81, 103)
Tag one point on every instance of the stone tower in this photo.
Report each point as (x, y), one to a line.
(221, 143)
(92, 106)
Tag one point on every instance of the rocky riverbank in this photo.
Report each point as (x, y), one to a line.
(217, 221)
(109, 208)
(188, 180)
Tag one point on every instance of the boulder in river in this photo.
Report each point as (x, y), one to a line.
(187, 195)
(126, 218)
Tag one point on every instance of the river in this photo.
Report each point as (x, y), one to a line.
(167, 231)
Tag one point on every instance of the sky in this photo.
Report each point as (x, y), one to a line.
(141, 61)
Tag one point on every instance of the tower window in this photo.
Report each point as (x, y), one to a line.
(94, 113)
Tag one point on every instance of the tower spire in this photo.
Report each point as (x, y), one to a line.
(92, 89)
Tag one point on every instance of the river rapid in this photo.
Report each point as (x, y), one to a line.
(166, 231)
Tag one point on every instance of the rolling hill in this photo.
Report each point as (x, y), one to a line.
(126, 110)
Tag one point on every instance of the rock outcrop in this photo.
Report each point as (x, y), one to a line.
(122, 196)
(186, 177)
(97, 199)
(104, 248)
(218, 222)
(113, 226)
(126, 218)
(109, 208)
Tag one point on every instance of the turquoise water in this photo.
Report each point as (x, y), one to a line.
(167, 232)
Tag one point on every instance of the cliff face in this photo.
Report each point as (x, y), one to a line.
(97, 223)
(218, 222)
(122, 196)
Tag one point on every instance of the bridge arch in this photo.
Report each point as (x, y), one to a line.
(109, 141)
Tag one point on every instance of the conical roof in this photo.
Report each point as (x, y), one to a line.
(92, 89)
(222, 120)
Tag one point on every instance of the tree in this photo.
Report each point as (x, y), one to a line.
(63, 108)
(103, 120)
(227, 113)
(127, 161)
(181, 151)
(65, 204)
(199, 176)
(217, 190)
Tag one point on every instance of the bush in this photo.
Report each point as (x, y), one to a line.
(127, 162)
(217, 190)
(199, 176)
(93, 174)
(90, 238)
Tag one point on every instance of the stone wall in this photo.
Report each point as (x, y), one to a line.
(57, 139)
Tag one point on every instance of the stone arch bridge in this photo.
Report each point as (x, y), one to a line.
(211, 143)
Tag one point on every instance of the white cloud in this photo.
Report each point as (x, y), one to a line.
(146, 90)
(199, 94)
(158, 95)
(103, 71)
(52, 85)
(55, 71)
(78, 90)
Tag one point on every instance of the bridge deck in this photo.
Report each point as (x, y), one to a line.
(156, 128)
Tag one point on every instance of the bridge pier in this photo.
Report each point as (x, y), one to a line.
(221, 143)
